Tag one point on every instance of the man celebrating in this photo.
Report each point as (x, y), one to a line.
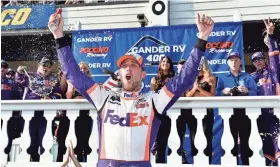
(127, 119)
(266, 77)
(41, 85)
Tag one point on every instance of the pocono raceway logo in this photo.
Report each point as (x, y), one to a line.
(95, 52)
(131, 119)
(219, 47)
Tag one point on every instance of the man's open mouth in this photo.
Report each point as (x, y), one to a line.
(128, 77)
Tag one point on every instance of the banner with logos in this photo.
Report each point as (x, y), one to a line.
(26, 16)
(101, 48)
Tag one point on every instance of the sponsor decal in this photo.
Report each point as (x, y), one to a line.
(131, 119)
(219, 47)
(16, 16)
(95, 52)
(130, 95)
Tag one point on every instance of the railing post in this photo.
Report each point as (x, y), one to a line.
(94, 138)
(4, 135)
(24, 140)
(173, 140)
(255, 142)
(277, 113)
(227, 139)
(48, 137)
(200, 140)
(72, 115)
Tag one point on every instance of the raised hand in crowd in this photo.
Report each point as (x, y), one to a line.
(269, 26)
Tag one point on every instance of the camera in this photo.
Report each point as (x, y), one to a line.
(142, 19)
(235, 91)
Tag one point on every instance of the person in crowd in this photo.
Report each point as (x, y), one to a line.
(72, 93)
(41, 85)
(70, 155)
(266, 74)
(165, 73)
(237, 83)
(205, 83)
(63, 83)
(10, 74)
(9, 88)
(129, 116)
(266, 78)
(17, 88)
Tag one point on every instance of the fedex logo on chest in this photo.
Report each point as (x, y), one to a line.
(130, 120)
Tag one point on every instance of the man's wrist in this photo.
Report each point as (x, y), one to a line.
(203, 36)
(201, 44)
(59, 35)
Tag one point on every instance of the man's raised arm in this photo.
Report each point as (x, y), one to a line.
(185, 79)
(83, 83)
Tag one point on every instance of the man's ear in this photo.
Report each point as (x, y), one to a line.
(143, 75)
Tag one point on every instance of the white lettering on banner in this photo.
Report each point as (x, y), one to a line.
(103, 55)
(179, 48)
(89, 39)
(99, 65)
(217, 61)
(221, 33)
(108, 38)
(215, 50)
(231, 33)
(95, 39)
(151, 49)
(159, 49)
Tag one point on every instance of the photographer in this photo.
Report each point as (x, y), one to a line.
(236, 83)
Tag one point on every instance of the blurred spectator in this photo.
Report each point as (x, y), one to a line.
(63, 84)
(72, 93)
(236, 83)
(205, 83)
(10, 74)
(165, 73)
(41, 85)
(9, 88)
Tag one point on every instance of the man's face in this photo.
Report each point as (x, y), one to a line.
(4, 70)
(131, 75)
(234, 63)
(259, 63)
(44, 69)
